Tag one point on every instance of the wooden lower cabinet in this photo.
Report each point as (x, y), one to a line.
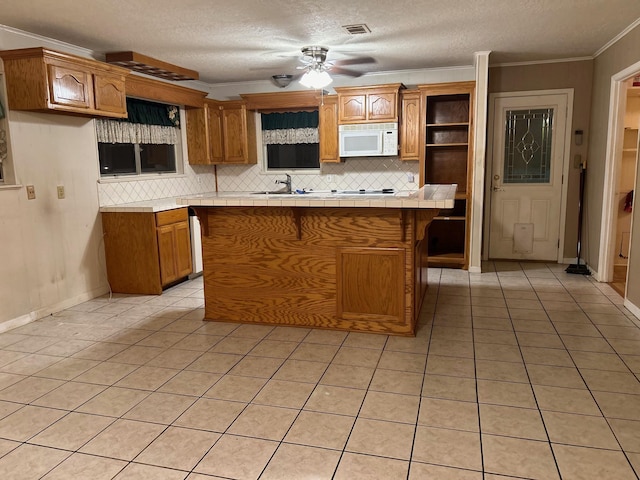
(338, 268)
(145, 252)
(174, 250)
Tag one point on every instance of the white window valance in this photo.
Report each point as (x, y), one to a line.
(290, 136)
(109, 131)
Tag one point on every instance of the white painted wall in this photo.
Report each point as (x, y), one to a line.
(51, 248)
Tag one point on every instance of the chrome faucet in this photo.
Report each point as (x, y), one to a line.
(286, 183)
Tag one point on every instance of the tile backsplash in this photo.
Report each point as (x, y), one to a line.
(350, 174)
(196, 179)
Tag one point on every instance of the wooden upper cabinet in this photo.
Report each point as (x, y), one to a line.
(109, 92)
(383, 107)
(410, 145)
(197, 137)
(70, 86)
(328, 130)
(352, 108)
(39, 79)
(372, 104)
(235, 133)
(214, 129)
(220, 133)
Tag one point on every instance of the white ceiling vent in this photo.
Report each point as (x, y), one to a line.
(357, 29)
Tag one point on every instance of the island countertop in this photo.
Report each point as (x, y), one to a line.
(429, 197)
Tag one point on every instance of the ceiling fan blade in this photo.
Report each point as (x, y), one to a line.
(344, 71)
(354, 61)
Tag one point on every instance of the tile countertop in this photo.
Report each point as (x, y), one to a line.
(429, 196)
(158, 205)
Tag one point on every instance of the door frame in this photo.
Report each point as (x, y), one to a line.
(565, 162)
(613, 159)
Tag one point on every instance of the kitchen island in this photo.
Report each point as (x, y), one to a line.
(349, 262)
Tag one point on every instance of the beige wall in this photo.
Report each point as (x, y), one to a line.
(50, 257)
(548, 76)
(619, 56)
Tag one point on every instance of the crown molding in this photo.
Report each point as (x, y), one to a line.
(51, 42)
(622, 34)
(540, 62)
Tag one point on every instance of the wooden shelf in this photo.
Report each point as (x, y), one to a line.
(447, 138)
(629, 149)
(447, 259)
(447, 145)
(451, 124)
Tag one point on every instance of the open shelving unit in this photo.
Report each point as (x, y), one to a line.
(447, 133)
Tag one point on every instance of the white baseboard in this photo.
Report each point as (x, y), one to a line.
(633, 309)
(16, 322)
(50, 309)
(475, 270)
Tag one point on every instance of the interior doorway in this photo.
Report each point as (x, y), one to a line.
(625, 186)
(620, 177)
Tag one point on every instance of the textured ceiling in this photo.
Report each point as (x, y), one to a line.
(243, 40)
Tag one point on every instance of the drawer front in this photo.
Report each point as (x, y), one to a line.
(172, 216)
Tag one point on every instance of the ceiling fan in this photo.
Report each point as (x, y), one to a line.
(317, 68)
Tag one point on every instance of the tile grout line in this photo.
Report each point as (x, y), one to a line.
(535, 398)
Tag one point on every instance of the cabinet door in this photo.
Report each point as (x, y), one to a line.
(328, 130)
(183, 249)
(109, 93)
(167, 254)
(214, 129)
(234, 129)
(352, 108)
(410, 128)
(197, 138)
(382, 107)
(70, 86)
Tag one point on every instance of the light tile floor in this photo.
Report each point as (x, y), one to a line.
(522, 371)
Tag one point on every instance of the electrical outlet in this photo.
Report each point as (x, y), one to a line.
(60, 192)
(410, 177)
(31, 192)
(329, 178)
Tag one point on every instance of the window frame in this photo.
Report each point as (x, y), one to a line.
(263, 160)
(179, 153)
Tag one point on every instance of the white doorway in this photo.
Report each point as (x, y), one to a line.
(613, 171)
(529, 147)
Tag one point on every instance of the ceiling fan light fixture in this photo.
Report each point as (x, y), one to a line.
(316, 79)
(282, 80)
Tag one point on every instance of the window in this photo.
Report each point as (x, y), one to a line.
(147, 142)
(136, 158)
(290, 141)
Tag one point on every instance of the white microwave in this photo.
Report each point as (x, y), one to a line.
(368, 140)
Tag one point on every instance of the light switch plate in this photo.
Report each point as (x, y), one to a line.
(31, 192)
(61, 191)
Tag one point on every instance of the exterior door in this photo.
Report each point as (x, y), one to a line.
(526, 177)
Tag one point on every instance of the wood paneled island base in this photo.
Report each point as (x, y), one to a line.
(345, 268)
